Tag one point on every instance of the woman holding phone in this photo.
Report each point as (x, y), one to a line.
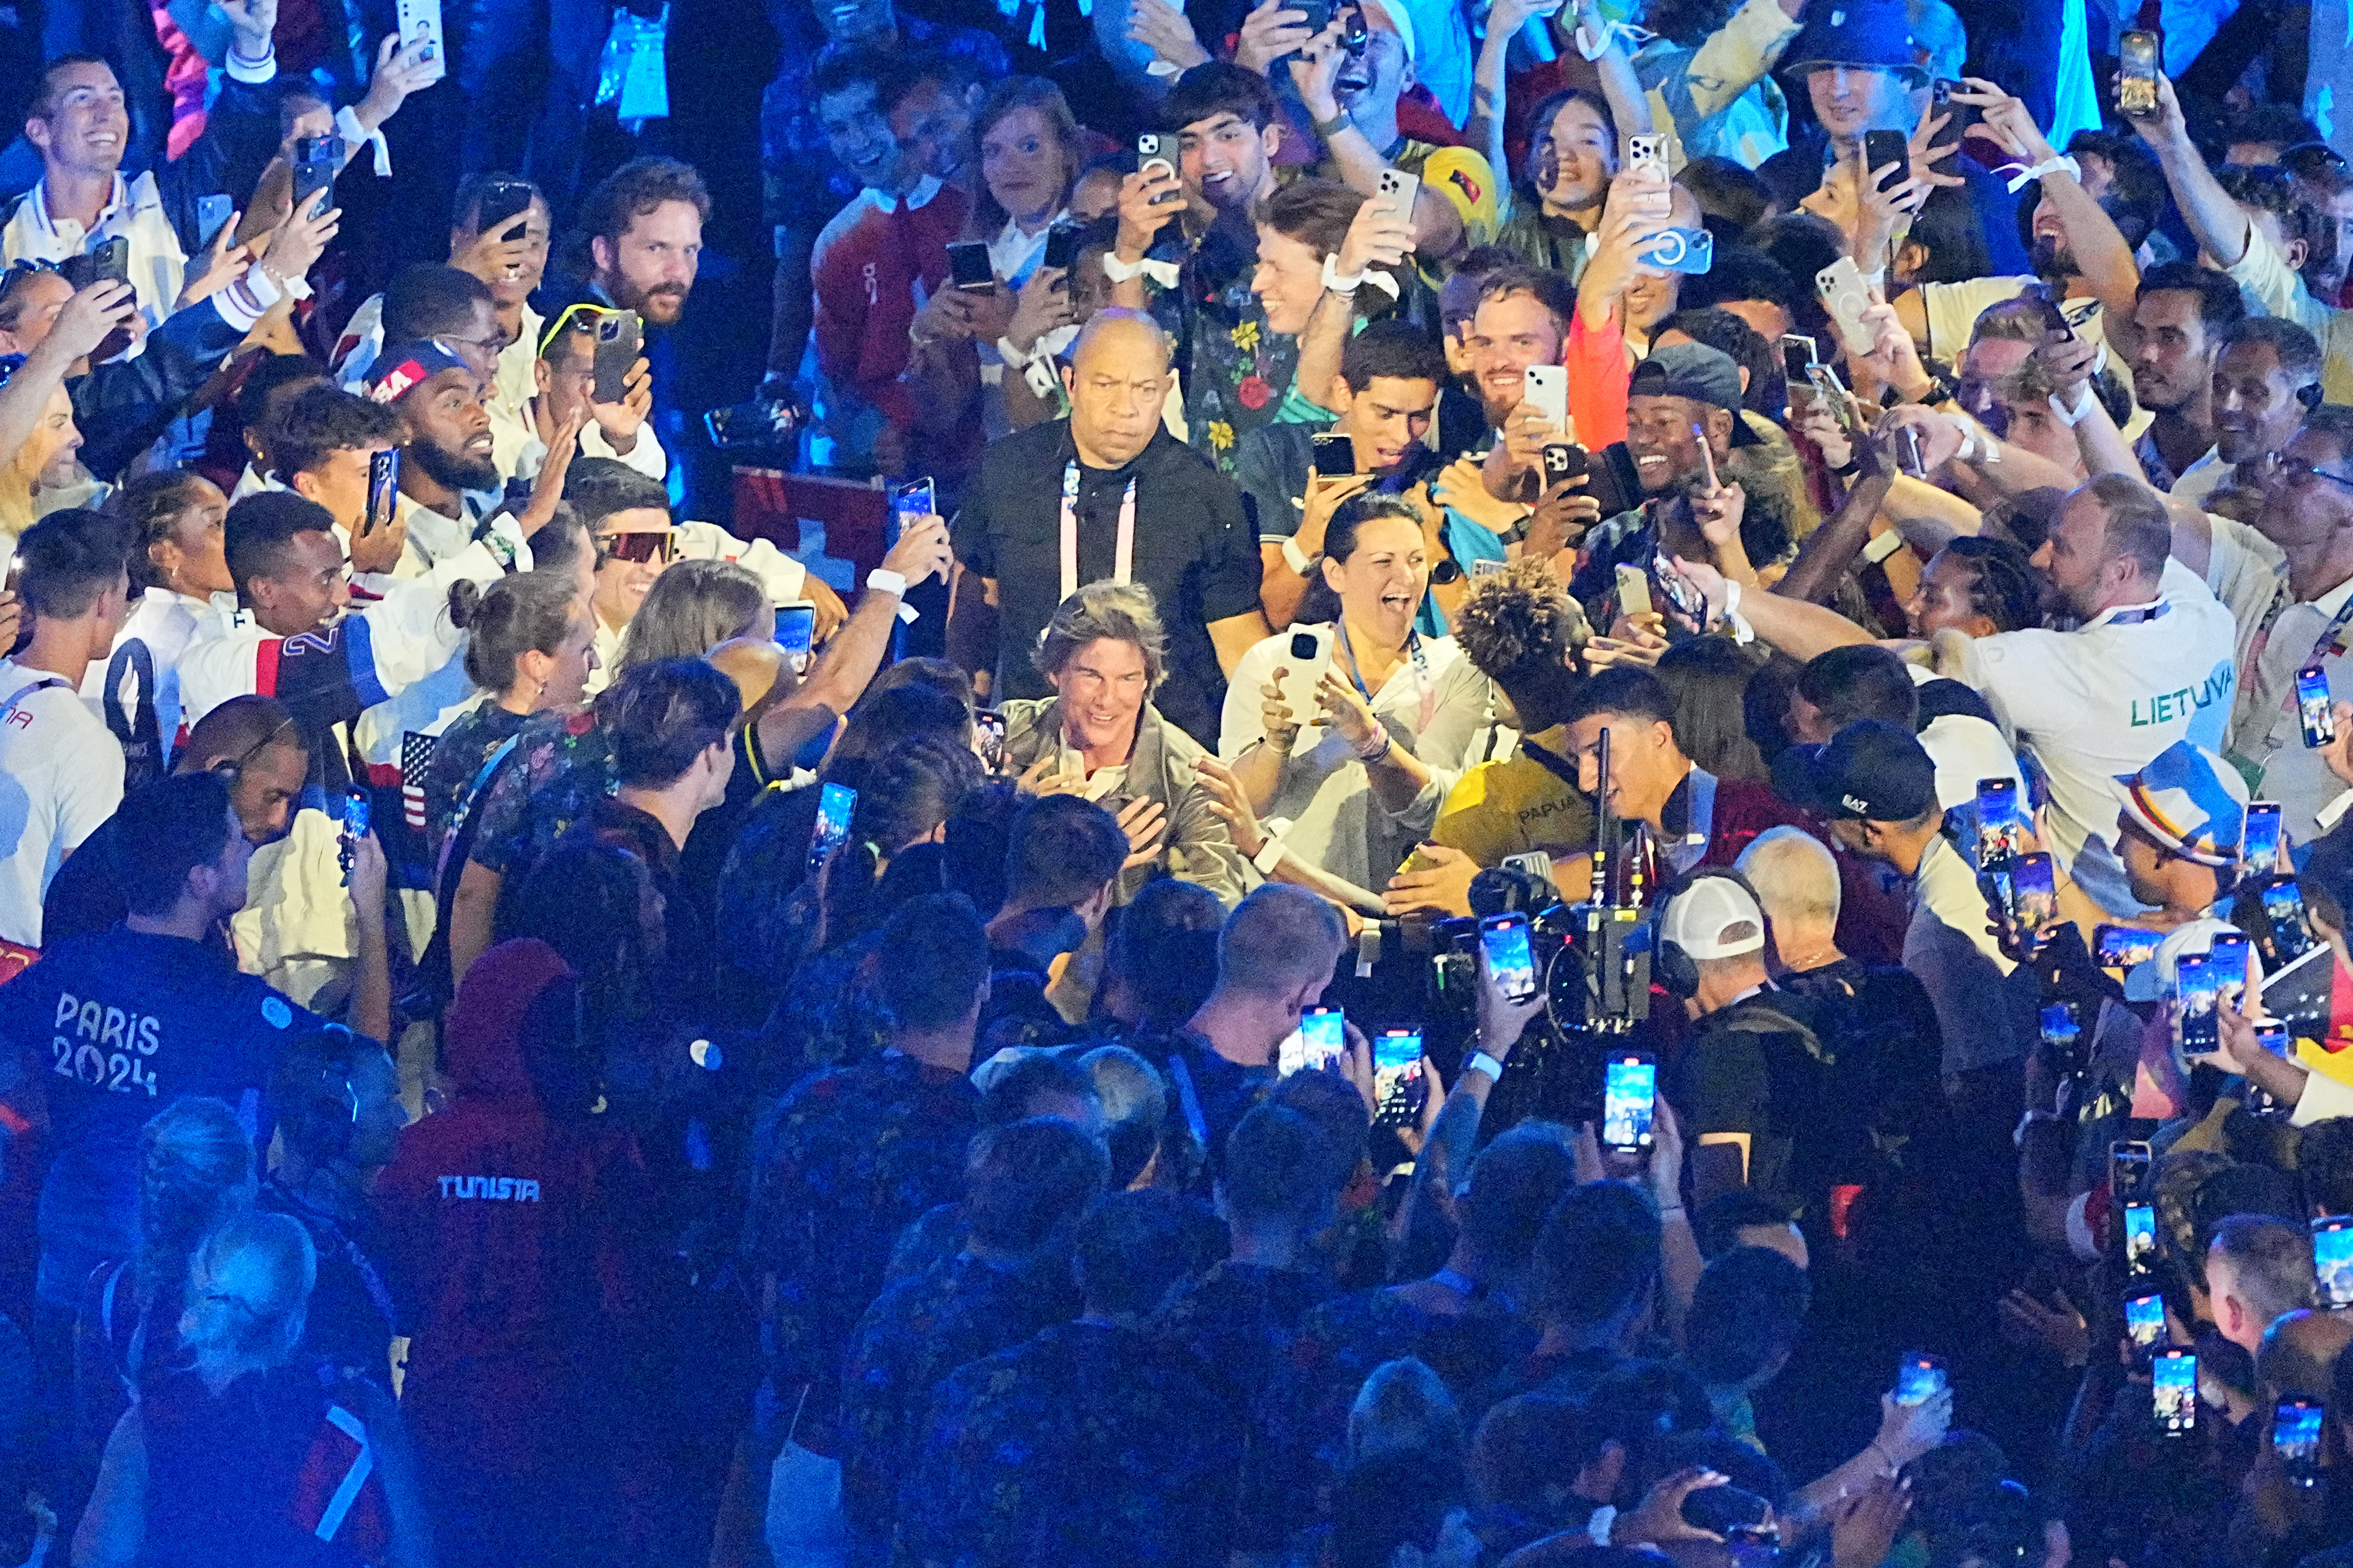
(1351, 723)
(1030, 155)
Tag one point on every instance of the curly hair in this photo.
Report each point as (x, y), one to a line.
(1519, 620)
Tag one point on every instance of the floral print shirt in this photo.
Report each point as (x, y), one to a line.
(1096, 1444)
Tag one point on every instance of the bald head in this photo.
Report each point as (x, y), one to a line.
(1118, 379)
(2298, 1356)
(235, 730)
(1797, 881)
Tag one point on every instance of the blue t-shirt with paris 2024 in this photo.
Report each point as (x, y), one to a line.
(116, 1025)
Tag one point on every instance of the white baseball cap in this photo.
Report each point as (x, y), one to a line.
(1715, 917)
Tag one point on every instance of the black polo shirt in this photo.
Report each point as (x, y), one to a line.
(1194, 549)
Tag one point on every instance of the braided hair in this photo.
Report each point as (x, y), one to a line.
(2004, 587)
(195, 1169)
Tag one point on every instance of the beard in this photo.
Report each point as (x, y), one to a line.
(2051, 261)
(452, 470)
(662, 304)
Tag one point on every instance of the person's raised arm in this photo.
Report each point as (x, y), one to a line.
(1378, 238)
(1446, 1150)
(1797, 629)
(1484, 128)
(1147, 200)
(371, 1011)
(2101, 254)
(1831, 548)
(82, 324)
(857, 649)
(2217, 223)
(1437, 226)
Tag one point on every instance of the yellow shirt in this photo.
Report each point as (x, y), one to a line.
(1513, 806)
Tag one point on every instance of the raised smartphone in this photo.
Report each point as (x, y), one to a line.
(1399, 1089)
(796, 633)
(2332, 1259)
(2175, 1374)
(1919, 1377)
(620, 337)
(836, 803)
(2259, 848)
(2315, 709)
(1511, 965)
(1629, 1097)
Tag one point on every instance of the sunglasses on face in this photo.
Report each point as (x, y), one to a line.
(2295, 473)
(650, 544)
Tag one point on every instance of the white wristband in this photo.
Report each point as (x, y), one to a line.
(1268, 857)
(1882, 545)
(1298, 560)
(2054, 165)
(1164, 273)
(883, 580)
(1346, 285)
(1481, 1062)
(2074, 414)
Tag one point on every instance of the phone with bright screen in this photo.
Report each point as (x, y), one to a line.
(796, 633)
(2259, 846)
(835, 806)
(2140, 1237)
(2195, 979)
(2226, 959)
(912, 500)
(2125, 947)
(2002, 832)
(2034, 892)
(1510, 967)
(2176, 1374)
(1629, 1100)
(2284, 905)
(1399, 1088)
(2295, 1439)
(1919, 1377)
(2144, 1321)
(2332, 1259)
(2128, 1166)
(1323, 1039)
(2315, 709)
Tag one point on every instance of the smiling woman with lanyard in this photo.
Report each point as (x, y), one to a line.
(1359, 761)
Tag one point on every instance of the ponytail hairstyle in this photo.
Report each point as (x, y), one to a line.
(904, 796)
(529, 612)
(1321, 601)
(195, 1170)
(153, 504)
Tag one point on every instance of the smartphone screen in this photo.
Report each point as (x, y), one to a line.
(2136, 73)
(2125, 947)
(835, 805)
(2127, 1170)
(1630, 1090)
(2034, 892)
(2176, 1372)
(988, 731)
(1799, 357)
(1399, 1088)
(2194, 1028)
(2144, 1321)
(2295, 1439)
(2332, 1259)
(2140, 1237)
(2226, 960)
(914, 500)
(1322, 1037)
(796, 633)
(383, 489)
(1919, 1377)
(2002, 832)
(1510, 967)
(2260, 848)
(1334, 455)
(2314, 707)
(2290, 933)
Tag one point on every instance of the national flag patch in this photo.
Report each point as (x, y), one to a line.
(415, 759)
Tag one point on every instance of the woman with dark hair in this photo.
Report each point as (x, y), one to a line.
(1556, 202)
(1709, 679)
(529, 647)
(177, 556)
(1031, 154)
(1328, 735)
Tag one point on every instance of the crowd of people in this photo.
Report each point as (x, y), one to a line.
(1588, 809)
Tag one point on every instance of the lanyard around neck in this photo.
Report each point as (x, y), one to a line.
(1123, 551)
(1429, 697)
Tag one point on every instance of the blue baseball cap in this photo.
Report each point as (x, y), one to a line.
(1875, 34)
(403, 367)
(2192, 802)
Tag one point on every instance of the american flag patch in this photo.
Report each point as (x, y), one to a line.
(416, 757)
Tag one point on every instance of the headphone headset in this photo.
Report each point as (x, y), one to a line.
(2309, 395)
(334, 1103)
(1672, 967)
